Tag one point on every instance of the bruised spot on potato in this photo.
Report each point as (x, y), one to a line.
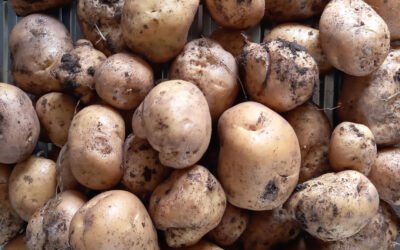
(91, 71)
(28, 179)
(271, 191)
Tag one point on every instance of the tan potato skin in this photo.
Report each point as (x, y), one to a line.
(17, 243)
(32, 183)
(36, 43)
(123, 80)
(19, 125)
(25, 7)
(231, 40)
(202, 245)
(214, 70)
(65, 179)
(95, 143)
(357, 45)
(169, 113)
(259, 159)
(113, 220)
(157, 29)
(387, 9)
(288, 10)
(334, 206)
(236, 14)
(188, 205)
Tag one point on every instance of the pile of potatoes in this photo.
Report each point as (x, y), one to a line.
(226, 152)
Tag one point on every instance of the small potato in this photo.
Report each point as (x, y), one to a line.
(49, 227)
(214, 70)
(95, 142)
(36, 43)
(32, 183)
(231, 227)
(25, 7)
(232, 41)
(202, 245)
(388, 10)
(189, 204)
(334, 206)
(352, 147)
(175, 119)
(157, 29)
(113, 220)
(288, 10)
(354, 37)
(123, 80)
(236, 14)
(65, 179)
(19, 125)
(17, 243)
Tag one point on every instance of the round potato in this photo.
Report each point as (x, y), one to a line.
(19, 125)
(202, 245)
(354, 37)
(288, 10)
(18, 243)
(113, 220)
(32, 183)
(123, 80)
(189, 204)
(175, 119)
(36, 43)
(259, 159)
(387, 9)
(232, 41)
(334, 206)
(25, 7)
(65, 179)
(214, 70)
(95, 142)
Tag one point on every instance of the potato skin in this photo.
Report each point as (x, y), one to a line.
(288, 10)
(387, 9)
(202, 245)
(25, 7)
(65, 179)
(110, 214)
(259, 159)
(334, 206)
(19, 125)
(232, 41)
(17, 243)
(157, 29)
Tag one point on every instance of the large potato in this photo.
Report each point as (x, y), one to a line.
(36, 43)
(65, 179)
(289, 10)
(232, 41)
(113, 220)
(19, 125)
(334, 206)
(175, 119)
(388, 10)
(259, 159)
(25, 7)
(214, 70)
(95, 142)
(18, 243)
(157, 29)
(354, 37)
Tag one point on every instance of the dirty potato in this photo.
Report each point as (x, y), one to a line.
(232, 41)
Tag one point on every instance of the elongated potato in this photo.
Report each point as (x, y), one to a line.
(25, 7)
(387, 9)
(232, 41)
(288, 10)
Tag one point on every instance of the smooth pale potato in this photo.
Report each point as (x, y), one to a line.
(157, 29)
(288, 10)
(214, 70)
(123, 80)
(32, 183)
(355, 39)
(25, 7)
(259, 159)
(188, 205)
(36, 43)
(232, 41)
(313, 130)
(374, 100)
(202, 245)
(175, 119)
(95, 143)
(19, 125)
(17, 243)
(65, 179)
(387, 9)
(236, 14)
(113, 220)
(49, 227)
(334, 206)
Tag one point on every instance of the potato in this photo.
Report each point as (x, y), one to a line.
(100, 22)
(232, 41)
(387, 9)
(202, 245)
(32, 183)
(231, 227)
(113, 220)
(269, 228)
(259, 159)
(36, 43)
(157, 29)
(25, 7)
(288, 10)
(313, 130)
(334, 206)
(10, 223)
(123, 80)
(19, 125)
(352, 147)
(17, 243)
(49, 226)
(214, 70)
(65, 179)
(236, 14)
(355, 39)
(175, 119)
(143, 172)
(189, 204)
(373, 101)
(278, 74)
(95, 142)
(305, 36)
